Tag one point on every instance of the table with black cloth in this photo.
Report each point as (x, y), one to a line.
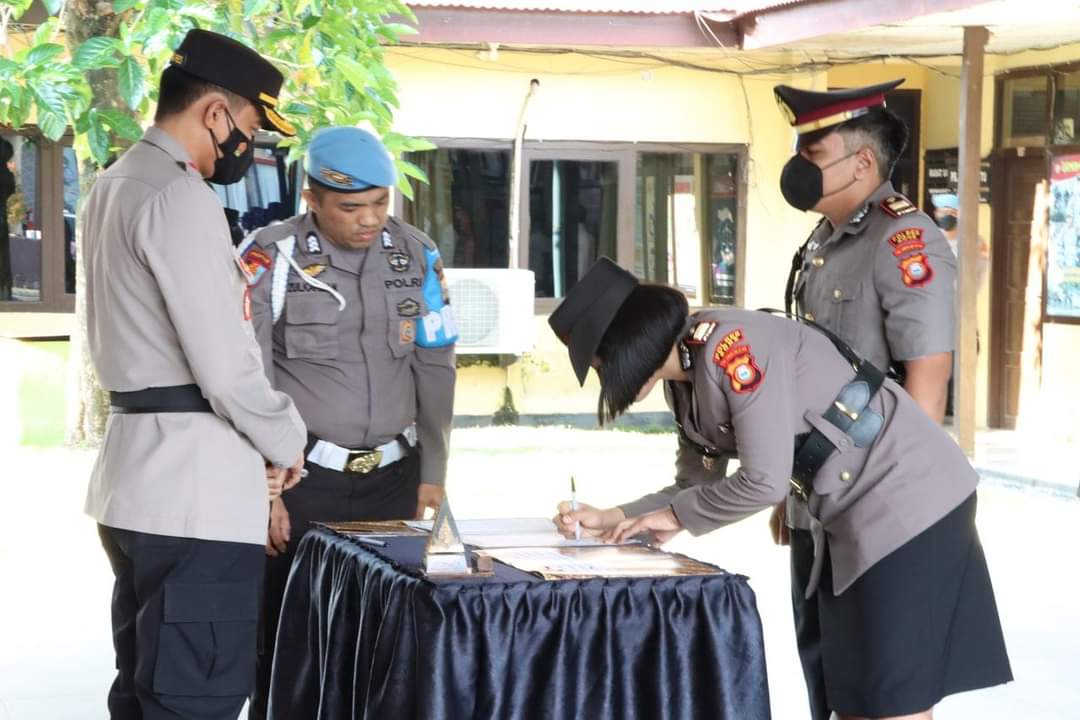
(363, 634)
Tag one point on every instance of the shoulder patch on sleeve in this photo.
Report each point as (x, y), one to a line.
(898, 206)
(906, 241)
(916, 271)
(699, 333)
(266, 236)
(734, 356)
(437, 328)
(257, 261)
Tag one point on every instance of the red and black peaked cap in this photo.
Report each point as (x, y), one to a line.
(809, 111)
(585, 313)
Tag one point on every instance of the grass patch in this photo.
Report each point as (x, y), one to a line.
(42, 370)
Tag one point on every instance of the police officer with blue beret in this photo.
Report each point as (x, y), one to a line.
(350, 308)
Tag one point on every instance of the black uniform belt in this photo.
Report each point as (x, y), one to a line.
(813, 449)
(175, 398)
(845, 413)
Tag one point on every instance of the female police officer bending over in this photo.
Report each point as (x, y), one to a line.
(906, 606)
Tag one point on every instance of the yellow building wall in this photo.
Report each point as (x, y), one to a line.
(465, 94)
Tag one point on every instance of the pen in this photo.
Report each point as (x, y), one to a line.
(573, 507)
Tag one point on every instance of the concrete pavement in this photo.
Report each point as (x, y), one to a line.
(55, 646)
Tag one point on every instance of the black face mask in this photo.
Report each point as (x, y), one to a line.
(801, 182)
(232, 164)
(947, 222)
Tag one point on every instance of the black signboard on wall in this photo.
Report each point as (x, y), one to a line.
(943, 175)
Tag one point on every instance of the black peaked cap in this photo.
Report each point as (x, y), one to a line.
(234, 66)
(585, 313)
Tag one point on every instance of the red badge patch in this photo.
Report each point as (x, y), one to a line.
(737, 362)
(906, 241)
(905, 236)
(916, 270)
(247, 302)
(724, 346)
(741, 369)
(908, 248)
(256, 261)
(407, 331)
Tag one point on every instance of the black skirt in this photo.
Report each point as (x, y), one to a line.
(920, 624)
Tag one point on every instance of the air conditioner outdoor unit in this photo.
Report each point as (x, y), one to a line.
(493, 309)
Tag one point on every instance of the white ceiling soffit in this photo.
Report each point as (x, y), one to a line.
(1014, 25)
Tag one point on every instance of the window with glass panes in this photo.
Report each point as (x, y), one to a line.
(670, 214)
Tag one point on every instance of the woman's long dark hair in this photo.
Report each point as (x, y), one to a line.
(636, 344)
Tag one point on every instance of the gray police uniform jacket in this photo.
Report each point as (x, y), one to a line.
(885, 282)
(165, 298)
(757, 381)
(354, 370)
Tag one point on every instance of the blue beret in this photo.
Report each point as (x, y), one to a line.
(348, 159)
(945, 200)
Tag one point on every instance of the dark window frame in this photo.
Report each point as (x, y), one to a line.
(54, 296)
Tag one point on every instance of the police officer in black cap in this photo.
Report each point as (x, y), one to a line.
(876, 271)
(198, 442)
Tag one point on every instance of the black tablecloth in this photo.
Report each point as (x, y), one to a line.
(364, 635)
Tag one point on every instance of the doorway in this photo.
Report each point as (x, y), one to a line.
(907, 104)
(1011, 249)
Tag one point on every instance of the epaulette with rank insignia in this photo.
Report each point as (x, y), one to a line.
(898, 206)
(699, 333)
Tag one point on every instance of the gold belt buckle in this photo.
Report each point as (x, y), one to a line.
(798, 489)
(363, 461)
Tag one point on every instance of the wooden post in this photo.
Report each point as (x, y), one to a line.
(971, 84)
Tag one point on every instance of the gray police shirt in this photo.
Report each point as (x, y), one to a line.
(355, 372)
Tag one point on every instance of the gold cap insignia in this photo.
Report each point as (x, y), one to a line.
(336, 177)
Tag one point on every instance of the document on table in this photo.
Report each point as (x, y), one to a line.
(608, 561)
(511, 533)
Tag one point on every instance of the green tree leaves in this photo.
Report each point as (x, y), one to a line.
(331, 54)
(132, 80)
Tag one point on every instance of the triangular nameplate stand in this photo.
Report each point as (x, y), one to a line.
(445, 553)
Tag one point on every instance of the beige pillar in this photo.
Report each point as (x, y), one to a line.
(971, 84)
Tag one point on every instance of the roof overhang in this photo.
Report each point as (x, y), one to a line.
(478, 26)
(864, 28)
(790, 23)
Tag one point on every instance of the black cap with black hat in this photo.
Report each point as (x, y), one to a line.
(585, 313)
(237, 68)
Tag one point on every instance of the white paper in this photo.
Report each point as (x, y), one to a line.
(511, 533)
(600, 562)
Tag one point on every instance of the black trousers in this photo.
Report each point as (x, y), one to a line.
(807, 623)
(184, 618)
(387, 493)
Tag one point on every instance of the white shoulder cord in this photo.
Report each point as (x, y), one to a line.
(280, 276)
(313, 282)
